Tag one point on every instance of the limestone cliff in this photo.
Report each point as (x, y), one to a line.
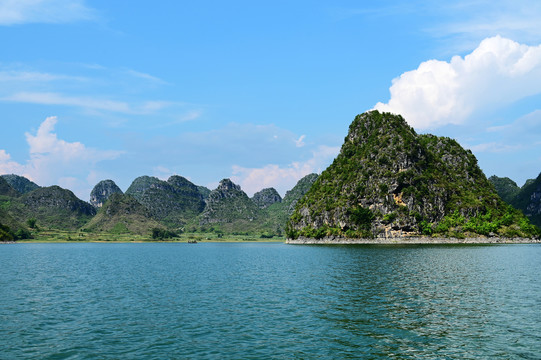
(102, 191)
(228, 204)
(172, 202)
(266, 198)
(388, 181)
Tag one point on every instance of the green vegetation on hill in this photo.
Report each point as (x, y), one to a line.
(294, 195)
(229, 209)
(275, 216)
(20, 183)
(11, 229)
(389, 181)
(6, 189)
(204, 191)
(172, 202)
(122, 214)
(505, 187)
(52, 207)
(528, 199)
(162, 209)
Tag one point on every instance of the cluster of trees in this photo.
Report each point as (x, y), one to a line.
(7, 234)
(162, 234)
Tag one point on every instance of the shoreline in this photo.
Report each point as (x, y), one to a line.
(410, 241)
(282, 241)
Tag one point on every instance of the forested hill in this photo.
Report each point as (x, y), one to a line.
(389, 181)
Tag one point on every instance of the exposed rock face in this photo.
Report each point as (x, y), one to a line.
(227, 204)
(528, 199)
(204, 191)
(388, 181)
(123, 214)
(172, 201)
(294, 195)
(102, 191)
(266, 198)
(20, 183)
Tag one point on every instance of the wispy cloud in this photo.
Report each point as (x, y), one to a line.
(13, 12)
(461, 24)
(145, 76)
(472, 20)
(89, 102)
(34, 76)
(88, 88)
(48, 98)
(495, 147)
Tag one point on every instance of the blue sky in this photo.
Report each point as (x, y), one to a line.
(260, 92)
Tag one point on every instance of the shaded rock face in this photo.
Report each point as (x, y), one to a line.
(528, 200)
(102, 191)
(534, 207)
(20, 183)
(55, 197)
(228, 203)
(6, 189)
(294, 195)
(505, 187)
(226, 185)
(172, 201)
(266, 198)
(204, 191)
(389, 181)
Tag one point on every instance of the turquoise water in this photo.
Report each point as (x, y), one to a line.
(269, 300)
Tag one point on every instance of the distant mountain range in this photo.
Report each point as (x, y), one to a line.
(387, 182)
(148, 203)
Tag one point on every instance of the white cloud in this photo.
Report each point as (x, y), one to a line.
(282, 178)
(34, 76)
(473, 20)
(161, 172)
(48, 98)
(95, 103)
(494, 147)
(498, 72)
(300, 141)
(145, 76)
(8, 166)
(56, 161)
(43, 11)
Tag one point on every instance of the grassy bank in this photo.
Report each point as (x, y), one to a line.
(60, 236)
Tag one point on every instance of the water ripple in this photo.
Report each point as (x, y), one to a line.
(254, 301)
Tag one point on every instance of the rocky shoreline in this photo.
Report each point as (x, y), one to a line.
(411, 241)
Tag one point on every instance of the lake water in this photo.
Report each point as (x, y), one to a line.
(269, 300)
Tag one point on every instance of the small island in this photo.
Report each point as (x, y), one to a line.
(391, 185)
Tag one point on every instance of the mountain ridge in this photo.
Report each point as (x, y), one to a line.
(390, 182)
